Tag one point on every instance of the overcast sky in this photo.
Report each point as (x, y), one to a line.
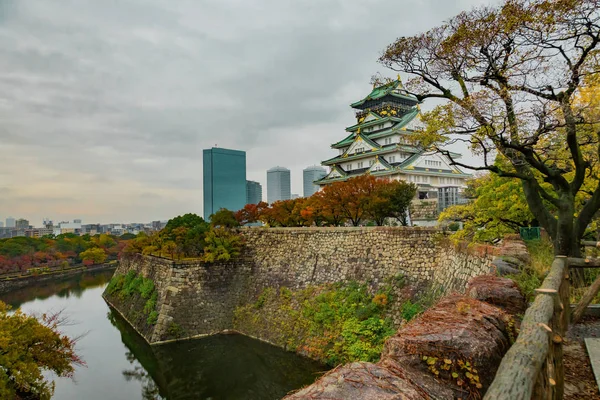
(105, 106)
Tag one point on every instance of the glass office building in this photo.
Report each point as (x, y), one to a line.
(278, 184)
(224, 180)
(253, 192)
(311, 175)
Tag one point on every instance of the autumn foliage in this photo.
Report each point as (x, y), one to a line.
(31, 347)
(355, 201)
(23, 253)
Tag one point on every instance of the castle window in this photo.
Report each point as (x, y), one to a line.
(392, 159)
(371, 162)
(348, 167)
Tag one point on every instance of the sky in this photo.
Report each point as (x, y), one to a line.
(105, 106)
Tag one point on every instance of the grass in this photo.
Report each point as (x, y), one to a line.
(542, 255)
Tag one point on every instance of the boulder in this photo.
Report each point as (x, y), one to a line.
(457, 331)
(504, 268)
(368, 381)
(501, 292)
(516, 248)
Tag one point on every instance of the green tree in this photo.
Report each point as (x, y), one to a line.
(94, 255)
(29, 347)
(221, 245)
(509, 77)
(188, 220)
(391, 199)
(224, 218)
(498, 207)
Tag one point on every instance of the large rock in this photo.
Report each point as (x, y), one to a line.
(456, 331)
(501, 292)
(367, 381)
(513, 246)
(504, 268)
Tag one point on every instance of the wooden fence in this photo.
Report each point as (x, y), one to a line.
(533, 366)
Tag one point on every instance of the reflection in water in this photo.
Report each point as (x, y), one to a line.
(216, 367)
(63, 287)
(121, 365)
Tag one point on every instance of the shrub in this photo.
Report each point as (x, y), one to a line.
(221, 245)
(152, 318)
(410, 310)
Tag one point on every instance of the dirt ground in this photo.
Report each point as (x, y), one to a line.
(579, 378)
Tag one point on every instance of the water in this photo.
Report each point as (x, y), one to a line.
(121, 365)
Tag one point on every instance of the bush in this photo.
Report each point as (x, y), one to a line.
(152, 317)
(221, 245)
(410, 310)
(334, 323)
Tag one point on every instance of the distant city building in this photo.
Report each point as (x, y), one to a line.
(278, 184)
(117, 230)
(77, 221)
(69, 227)
(158, 225)
(224, 180)
(10, 222)
(91, 229)
(22, 223)
(1, 224)
(311, 175)
(253, 192)
(38, 232)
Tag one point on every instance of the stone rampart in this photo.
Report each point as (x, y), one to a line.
(199, 298)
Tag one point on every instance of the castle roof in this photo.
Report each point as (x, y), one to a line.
(393, 89)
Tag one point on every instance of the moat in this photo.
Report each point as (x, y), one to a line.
(121, 365)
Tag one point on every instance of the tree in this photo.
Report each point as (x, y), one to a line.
(351, 197)
(250, 213)
(30, 347)
(509, 77)
(498, 207)
(94, 255)
(391, 199)
(188, 220)
(221, 245)
(224, 218)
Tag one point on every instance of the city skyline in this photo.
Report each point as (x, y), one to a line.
(106, 108)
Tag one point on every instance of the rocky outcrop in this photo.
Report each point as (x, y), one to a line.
(451, 351)
(501, 292)
(367, 381)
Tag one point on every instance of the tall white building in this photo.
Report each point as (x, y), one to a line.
(278, 184)
(310, 175)
(11, 222)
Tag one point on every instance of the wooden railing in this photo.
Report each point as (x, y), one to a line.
(533, 367)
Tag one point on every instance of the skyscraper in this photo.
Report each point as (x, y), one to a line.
(224, 180)
(22, 223)
(278, 184)
(253, 192)
(10, 222)
(310, 175)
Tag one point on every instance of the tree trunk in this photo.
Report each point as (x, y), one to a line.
(585, 300)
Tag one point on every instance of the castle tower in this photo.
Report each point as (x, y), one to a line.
(379, 144)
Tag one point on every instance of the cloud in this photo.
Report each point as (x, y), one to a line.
(106, 106)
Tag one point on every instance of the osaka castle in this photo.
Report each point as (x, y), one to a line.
(378, 144)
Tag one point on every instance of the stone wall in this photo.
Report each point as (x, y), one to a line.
(200, 298)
